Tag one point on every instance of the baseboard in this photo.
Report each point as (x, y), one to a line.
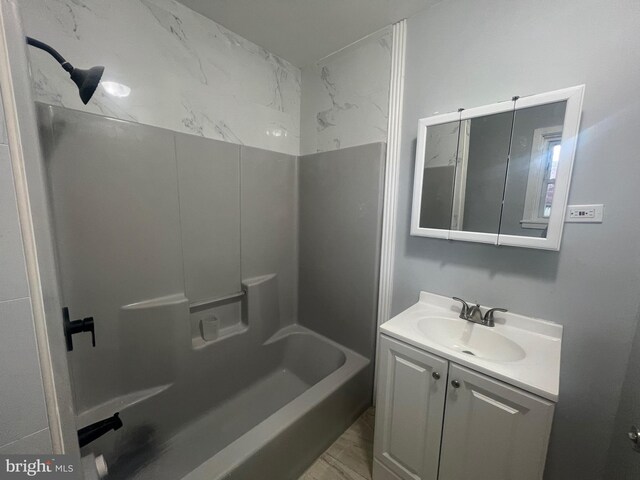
(380, 472)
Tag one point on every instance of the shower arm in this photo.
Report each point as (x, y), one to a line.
(86, 80)
(51, 51)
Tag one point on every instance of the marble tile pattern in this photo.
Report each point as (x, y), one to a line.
(441, 145)
(350, 457)
(346, 96)
(184, 71)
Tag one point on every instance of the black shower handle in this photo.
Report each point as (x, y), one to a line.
(77, 326)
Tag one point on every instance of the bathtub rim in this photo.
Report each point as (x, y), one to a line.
(243, 448)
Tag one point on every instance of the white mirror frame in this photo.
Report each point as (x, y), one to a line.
(574, 97)
(423, 125)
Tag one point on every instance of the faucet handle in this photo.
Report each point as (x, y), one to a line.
(464, 313)
(488, 316)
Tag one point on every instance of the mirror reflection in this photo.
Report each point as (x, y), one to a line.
(441, 149)
(484, 148)
(533, 168)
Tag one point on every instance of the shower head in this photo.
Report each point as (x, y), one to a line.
(86, 80)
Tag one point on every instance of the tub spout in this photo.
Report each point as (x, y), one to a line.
(94, 431)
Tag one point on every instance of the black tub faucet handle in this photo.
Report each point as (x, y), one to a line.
(77, 326)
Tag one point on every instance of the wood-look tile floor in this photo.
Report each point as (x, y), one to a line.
(350, 457)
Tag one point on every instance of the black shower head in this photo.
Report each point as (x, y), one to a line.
(86, 80)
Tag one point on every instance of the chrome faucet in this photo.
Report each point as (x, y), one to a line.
(474, 313)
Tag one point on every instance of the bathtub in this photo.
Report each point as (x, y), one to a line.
(224, 384)
(266, 414)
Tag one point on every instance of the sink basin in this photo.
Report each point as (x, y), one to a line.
(521, 351)
(470, 338)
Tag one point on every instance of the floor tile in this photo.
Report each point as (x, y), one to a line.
(350, 457)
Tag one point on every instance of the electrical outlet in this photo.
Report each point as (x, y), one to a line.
(585, 213)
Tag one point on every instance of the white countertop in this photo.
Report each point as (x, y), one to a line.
(538, 372)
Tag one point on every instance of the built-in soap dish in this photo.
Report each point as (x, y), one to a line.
(209, 328)
(215, 321)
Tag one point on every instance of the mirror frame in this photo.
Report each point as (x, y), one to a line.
(574, 97)
(423, 125)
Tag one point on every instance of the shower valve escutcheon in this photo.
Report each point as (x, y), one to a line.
(71, 327)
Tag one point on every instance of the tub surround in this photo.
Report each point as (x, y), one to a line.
(172, 68)
(135, 207)
(262, 389)
(131, 206)
(340, 215)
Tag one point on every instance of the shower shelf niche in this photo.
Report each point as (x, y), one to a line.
(217, 319)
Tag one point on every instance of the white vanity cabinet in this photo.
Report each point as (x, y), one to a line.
(492, 430)
(409, 410)
(438, 420)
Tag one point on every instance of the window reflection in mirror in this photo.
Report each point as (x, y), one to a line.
(533, 167)
(482, 165)
(441, 149)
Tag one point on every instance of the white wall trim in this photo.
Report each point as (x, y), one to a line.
(392, 170)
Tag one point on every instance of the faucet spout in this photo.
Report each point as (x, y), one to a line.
(474, 313)
(94, 431)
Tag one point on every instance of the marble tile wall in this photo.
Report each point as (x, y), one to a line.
(184, 71)
(345, 96)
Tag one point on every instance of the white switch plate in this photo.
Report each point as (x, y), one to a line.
(585, 213)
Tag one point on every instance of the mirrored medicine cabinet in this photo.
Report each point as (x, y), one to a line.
(499, 173)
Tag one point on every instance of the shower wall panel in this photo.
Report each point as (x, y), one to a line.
(147, 221)
(269, 222)
(209, 190)
(341, 195)
(114, 189)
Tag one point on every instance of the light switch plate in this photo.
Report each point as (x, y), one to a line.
(585, 213)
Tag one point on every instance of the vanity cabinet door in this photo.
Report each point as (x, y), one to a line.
(492, 431)
(409, 412)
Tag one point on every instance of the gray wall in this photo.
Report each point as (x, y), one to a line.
(466, 54)
(340, 234)
(624, 461)
(23, 416)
